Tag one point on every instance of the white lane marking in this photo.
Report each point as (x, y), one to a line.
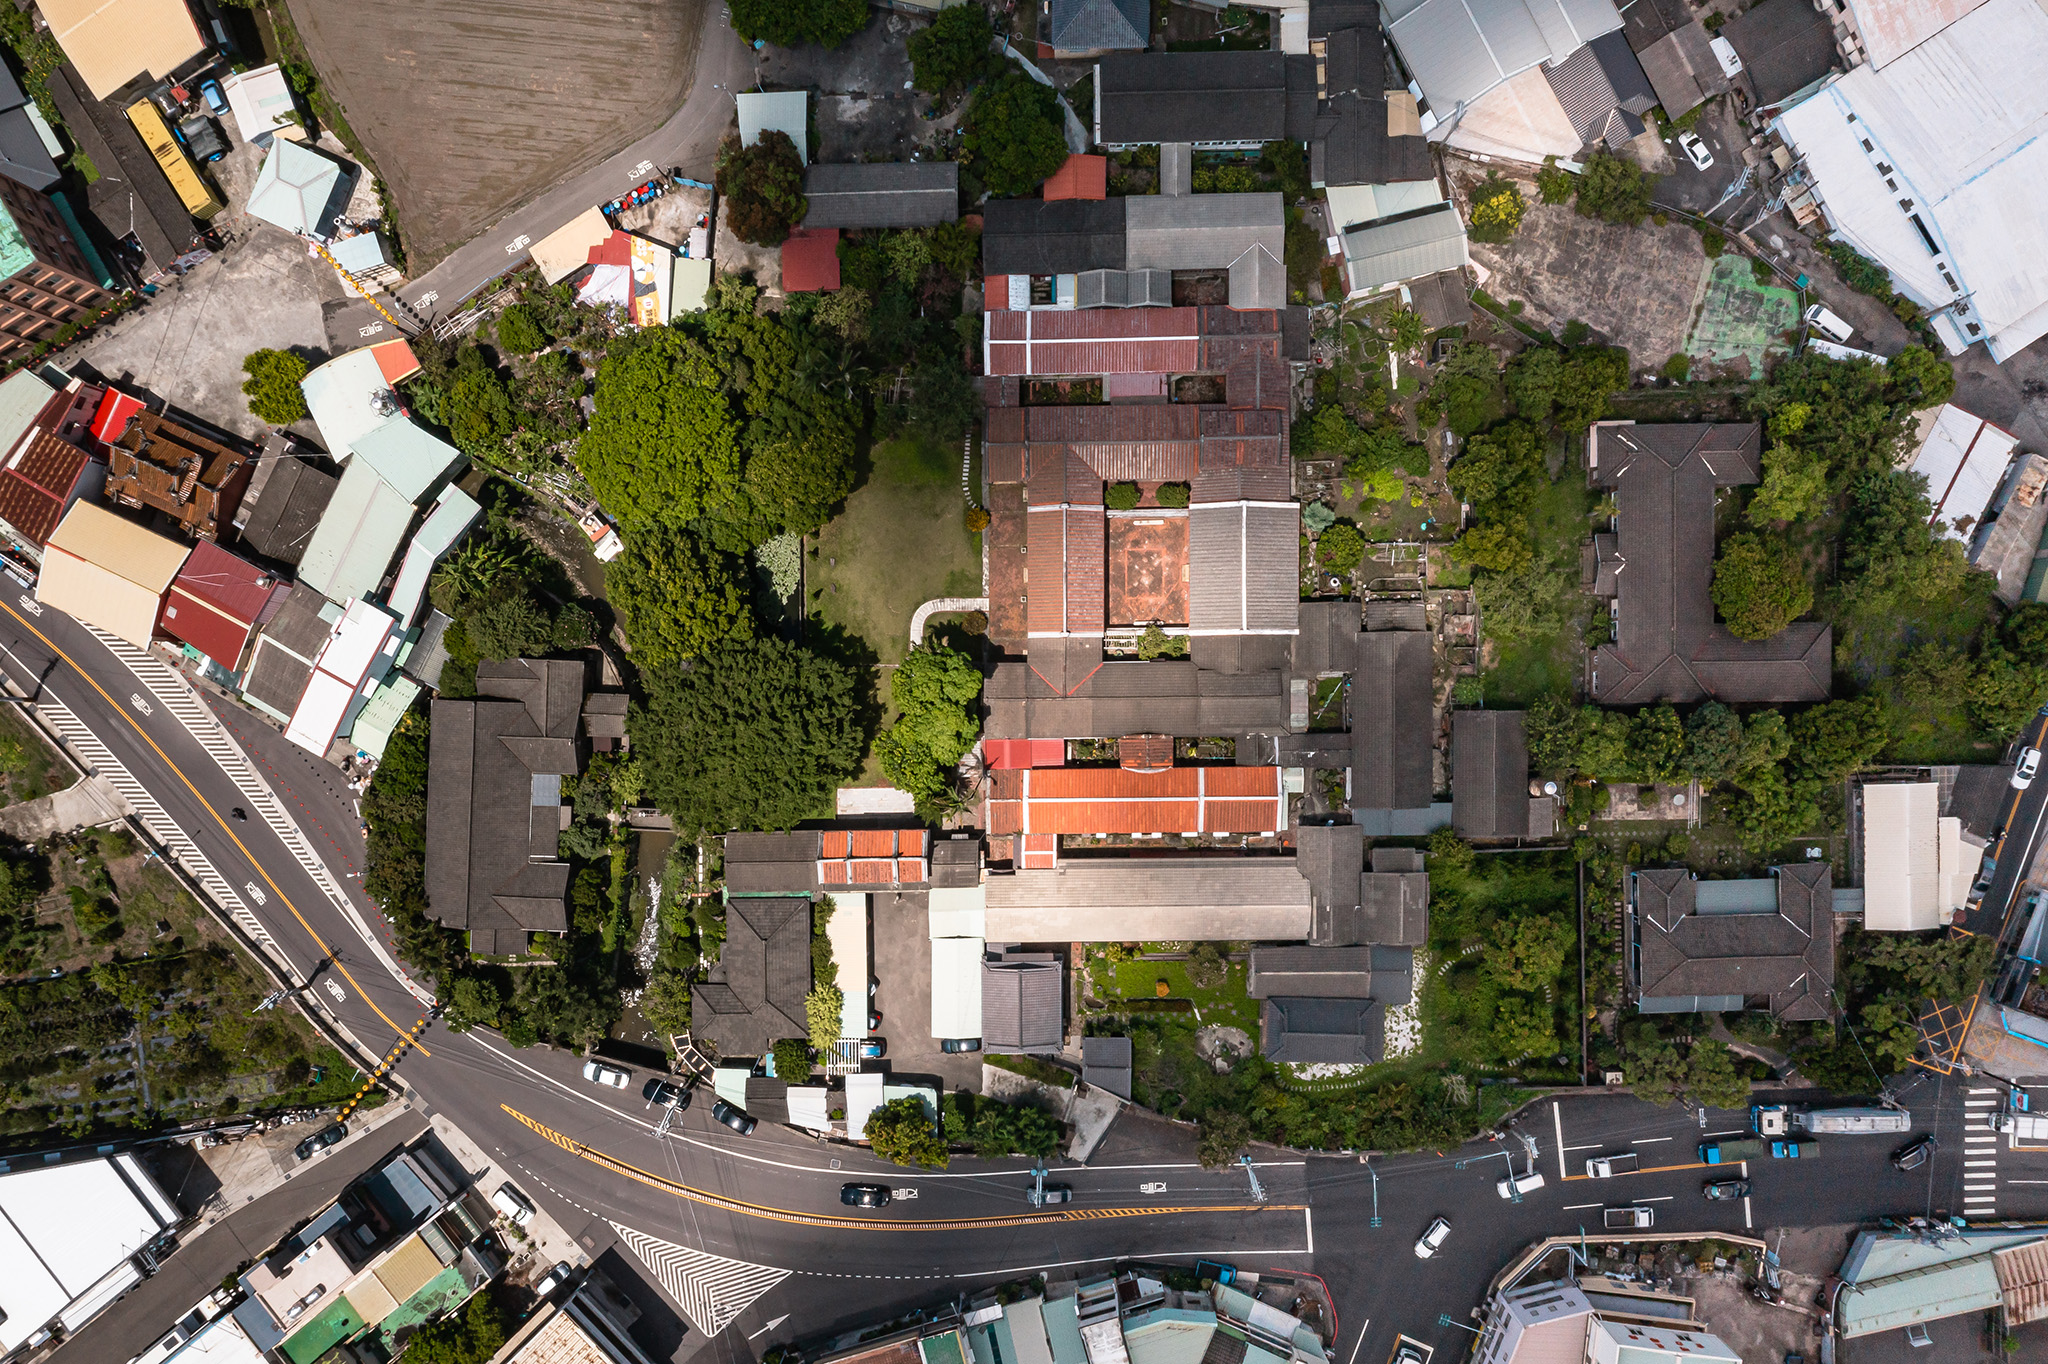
(1589, 1146)
(1747, 1221)
(1974, 1164)
(1308, 1228)
(1579, 1207)
(712, 1290)
(1737, 1132)
(2027, 1181)
(1660, 1198)
(1361, 1340)
(1557, 1118)
(1980, 1091)
(1645, 1141)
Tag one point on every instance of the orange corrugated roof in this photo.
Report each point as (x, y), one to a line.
(910, 870)
(1005, 816)
(871, 872)
(831, 873)
(872, 843)
(1116, 817)
(1112, 783)
(1240, 817)
(835, 843)
(910, 842)
(1240, 781)
(395, 361)
(1082, 177)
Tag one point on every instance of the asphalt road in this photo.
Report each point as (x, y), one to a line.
(2023, 821)
(742, 1230)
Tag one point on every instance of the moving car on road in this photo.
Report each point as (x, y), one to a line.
(740, 1122)
(597, 1072)
(320, 1141)
(1432, 1239)
(1696, 151)
(1510, 1185)
(864, 1195)
(1912, 1157)
(1728, 1188)
(1629, 1219)
(1602, 1167)
(1052, 1193)
(668, 1095)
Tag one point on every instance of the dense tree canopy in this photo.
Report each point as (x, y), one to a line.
(762, 186)
(902, 1131)
(753, 736)
(935, 688)
(273, 386)
(786, 23)
(1615, 189)
(954, 52)
(663, 447)
(1015, 134)
(1498, 468)
(1759, 587)
(676, 598)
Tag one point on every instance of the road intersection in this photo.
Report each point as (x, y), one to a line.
(728, 1224)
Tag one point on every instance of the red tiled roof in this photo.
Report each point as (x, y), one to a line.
(36, 488)
(1096, 341)
(215, 603)
(910, 870)
(1067, 546)
(810, 260)
(616, 249)
(871, 843)
(1003, 754)
(396, 361)
(1041, 851)
(1087, 800)
(910, 842)
(1083, 177)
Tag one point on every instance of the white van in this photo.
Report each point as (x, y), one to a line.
(513, 1204)
(1828, 325)
(1510, 1185)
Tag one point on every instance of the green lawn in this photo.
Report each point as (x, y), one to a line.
(901, 541)
(1526, 668)
(1225, 1003)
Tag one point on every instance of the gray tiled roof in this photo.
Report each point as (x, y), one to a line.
(1787, 955)
(883, 194)
(1106, 1064)
(1352, 144)
(1121, 697)
(1489, 774)
(1458, 50)
(1598, 80)
(1031, 237)
(1216, 899)
(1021, 1003)
(1391, 250)
(1100, 25)
(1328, 641)
(1382, 973)
(1331, 858)
(490, 849)
(1203, 232)
(773, 863)
(1669, 646)
(285, 498)
(1196, 97)
(1322, 1031)
(1393, 721)
(1243, 567)
(1682, 69)
(765, 971)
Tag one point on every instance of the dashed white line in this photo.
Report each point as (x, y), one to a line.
(1645, 1141)
(1579, 1207)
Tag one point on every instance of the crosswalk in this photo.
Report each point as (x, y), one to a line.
(711, 1290)
(1980, 1153)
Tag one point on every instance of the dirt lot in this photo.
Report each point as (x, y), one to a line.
(1634, 286)
(471, 107)
(865, 108)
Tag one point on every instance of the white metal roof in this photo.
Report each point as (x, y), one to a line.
(1957, 128)
(260, 100)
(455, 511)
(360, 651)
(863, 1096)
(956, 987)
(52, 1255)
(783, 111)
(847, 931)
(1460, 49)
(1520, 119)
(1913, 877)
(957, 912)
(1964, 459)
(1892, 28)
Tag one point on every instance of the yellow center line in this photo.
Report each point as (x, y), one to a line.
(812, 1219)
(325, 950)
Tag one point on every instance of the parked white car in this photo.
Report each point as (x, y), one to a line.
(2023, 771)
(1433, 1239)
(1696, 150)
(1510, 1185)
(513, 1204)
(597, 1072)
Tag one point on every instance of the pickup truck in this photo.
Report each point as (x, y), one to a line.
(1629, 1219)
(1603, 1167)
(1729, 1152)
(1791, 1150)
(2023, 1125)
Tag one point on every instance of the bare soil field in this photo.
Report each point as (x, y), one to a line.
(472, 107)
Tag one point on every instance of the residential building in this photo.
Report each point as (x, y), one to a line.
(1382, 252)
(810, 260)
(1083, 28)
(1393, 724)
(287, 494)
(1490, 788)
(1082, 177)
(1367, 129)
(115, 45)
(26, 142)
(1933, 164)
(1024, 241)
(109, 572)
(754, 997)
(49, 457)
(351, 665)
(1596, 1320)
(132, 202)
(1327, 1005)
(810, 861)
(1540, 1321)
(1900, 1281)
(494, 802)
(1185, 800)
(302, 189)
(1106, 1064)
(1698, 946)
(216, 604)
(400, 1243)
(1022, 1002)
(58, 1268)
(1353, 905)
(1682, 69)
(47, 281)
(2007, 542)
(1785, 52)
(882, 194)
(357, 392)
(1882, 31)
(1657, 567)
(281, 660)
(453, 513)
(587, 1329)
(1248, 899)
(1214, 100)
(262, 104)
(1347, 1032)
(164, 466)
(1654, 1342)
(1916, 867)
(1965, 460)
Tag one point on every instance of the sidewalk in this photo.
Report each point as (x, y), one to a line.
(84, 804)
(543, 1233)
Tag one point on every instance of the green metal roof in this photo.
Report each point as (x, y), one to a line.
(454, 513)
(408, 457)
(1168, 1335)
(363, 526)
(944, 1348)
(23, 394)
(382, 712)
(1063, 1331)
(15, 251)
(300, 189)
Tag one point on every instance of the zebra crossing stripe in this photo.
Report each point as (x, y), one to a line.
(711, 1290)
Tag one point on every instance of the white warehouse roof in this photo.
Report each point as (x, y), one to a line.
(1914, 873)
(66, 1234)
(1936, 166)
(1460, 49)
(1964, 459)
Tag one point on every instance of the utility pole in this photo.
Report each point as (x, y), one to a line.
(1037, 1191)
(1259, 1191)
(1375, 1191)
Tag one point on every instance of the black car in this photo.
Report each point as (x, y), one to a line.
(864, 1195)
(734, 1118)
(1728, 1188)
(660, 1091)
(320, 1141)
(1912, 1157)
(953, 1046)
